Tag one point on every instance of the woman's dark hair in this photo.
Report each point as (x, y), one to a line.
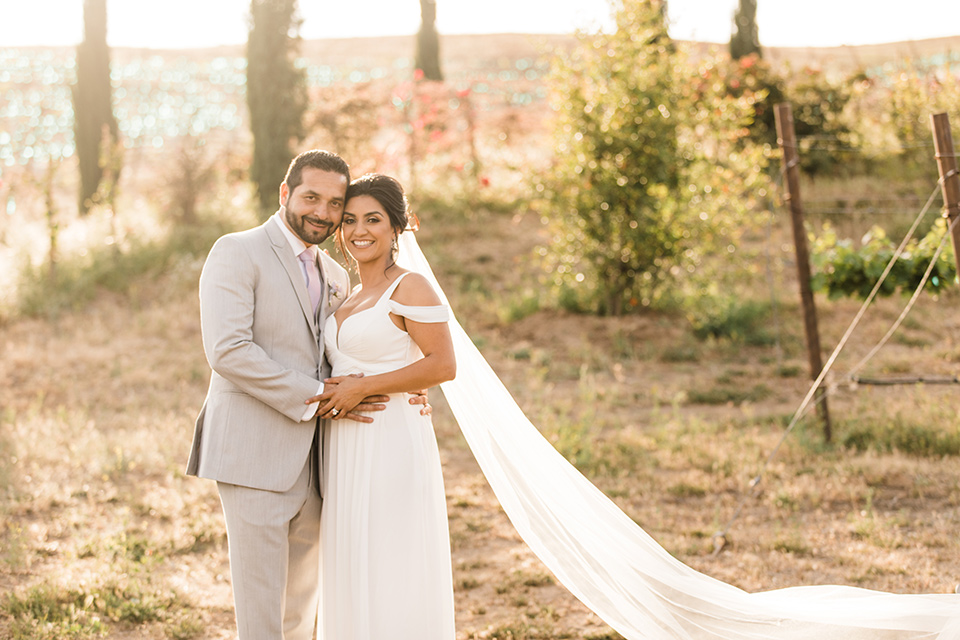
(389, 193)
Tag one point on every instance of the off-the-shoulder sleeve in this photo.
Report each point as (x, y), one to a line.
(439, 313)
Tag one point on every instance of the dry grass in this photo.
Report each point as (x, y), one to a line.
(98, 408)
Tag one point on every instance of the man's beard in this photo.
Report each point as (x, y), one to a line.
(310, 236)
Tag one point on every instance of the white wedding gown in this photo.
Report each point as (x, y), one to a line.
(386, 571)
(616, 569)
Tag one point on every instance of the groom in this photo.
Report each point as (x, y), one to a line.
(264, 296)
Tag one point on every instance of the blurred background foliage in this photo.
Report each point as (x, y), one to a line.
(652, 164)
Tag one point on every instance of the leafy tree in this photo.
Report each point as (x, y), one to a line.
(641, 184)
(914, 96)
(276, 94)
(95, 127)
(428, 42)
(825, 139)
(745, 40)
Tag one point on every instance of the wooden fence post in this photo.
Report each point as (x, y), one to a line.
(949, 179)
(791, 175)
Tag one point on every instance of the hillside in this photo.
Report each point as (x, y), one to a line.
(461, 52)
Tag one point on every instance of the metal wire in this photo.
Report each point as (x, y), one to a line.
(719, 538)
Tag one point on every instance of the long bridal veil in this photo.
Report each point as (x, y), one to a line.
(611, 565)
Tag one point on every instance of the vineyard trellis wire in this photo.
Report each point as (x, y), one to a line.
(806, 404)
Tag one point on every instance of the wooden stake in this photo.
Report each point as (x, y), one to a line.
(949, 179)
(791, 174)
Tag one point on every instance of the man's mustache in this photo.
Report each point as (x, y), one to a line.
(318, 222)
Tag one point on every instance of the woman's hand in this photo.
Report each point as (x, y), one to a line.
(346, 394)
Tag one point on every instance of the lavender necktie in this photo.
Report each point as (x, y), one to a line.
(312, 273)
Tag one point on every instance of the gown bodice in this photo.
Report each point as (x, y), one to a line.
(368, 341)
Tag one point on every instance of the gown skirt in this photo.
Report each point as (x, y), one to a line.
(386, 547)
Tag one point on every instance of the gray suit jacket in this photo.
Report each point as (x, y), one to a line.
(266, 353)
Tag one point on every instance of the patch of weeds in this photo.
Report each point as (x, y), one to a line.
(503, 587)
(574, 441)
(184, 625)
(459, 539)
(519, 631)
(623, 346)
(200, 540)
(538, 580)
(14, 544)
(908, 340)
(680, 353)
(742, 321)
(729, 395)
(731, 376)
(524, 581)
(904, 434)
(684, 490)
(519, 307)
(8, 458)
(463, 503)
(467, 584)
(46, 612)
(117, 463)
(789, 370)
(792, 543)
(133, 547)
(873, 572)
(866, 525)
(477, 526)
(785, 501)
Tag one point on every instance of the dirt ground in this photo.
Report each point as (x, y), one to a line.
(98, 405)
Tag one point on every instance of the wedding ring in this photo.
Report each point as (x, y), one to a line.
(335, 411)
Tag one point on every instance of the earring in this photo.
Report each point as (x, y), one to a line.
(393, 244)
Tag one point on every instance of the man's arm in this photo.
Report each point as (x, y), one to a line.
(226, 318)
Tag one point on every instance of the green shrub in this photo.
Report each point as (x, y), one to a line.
(841, 269)
(76, 280)
(904, 434)
(744, 321)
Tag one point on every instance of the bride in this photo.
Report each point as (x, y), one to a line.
(593, 548)
(386, 552)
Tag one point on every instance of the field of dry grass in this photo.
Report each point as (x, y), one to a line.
(101, 531)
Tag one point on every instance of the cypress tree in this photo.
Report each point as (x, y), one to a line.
(94, 124)
(745, 39)
(428, 42)
(276, 95)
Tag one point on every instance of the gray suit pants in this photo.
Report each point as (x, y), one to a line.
(274, 541)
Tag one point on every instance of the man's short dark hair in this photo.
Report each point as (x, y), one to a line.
(315, 159)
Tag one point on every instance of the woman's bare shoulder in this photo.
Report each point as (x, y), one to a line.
(416, 291)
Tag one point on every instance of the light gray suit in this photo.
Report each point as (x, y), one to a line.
(266, 351)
